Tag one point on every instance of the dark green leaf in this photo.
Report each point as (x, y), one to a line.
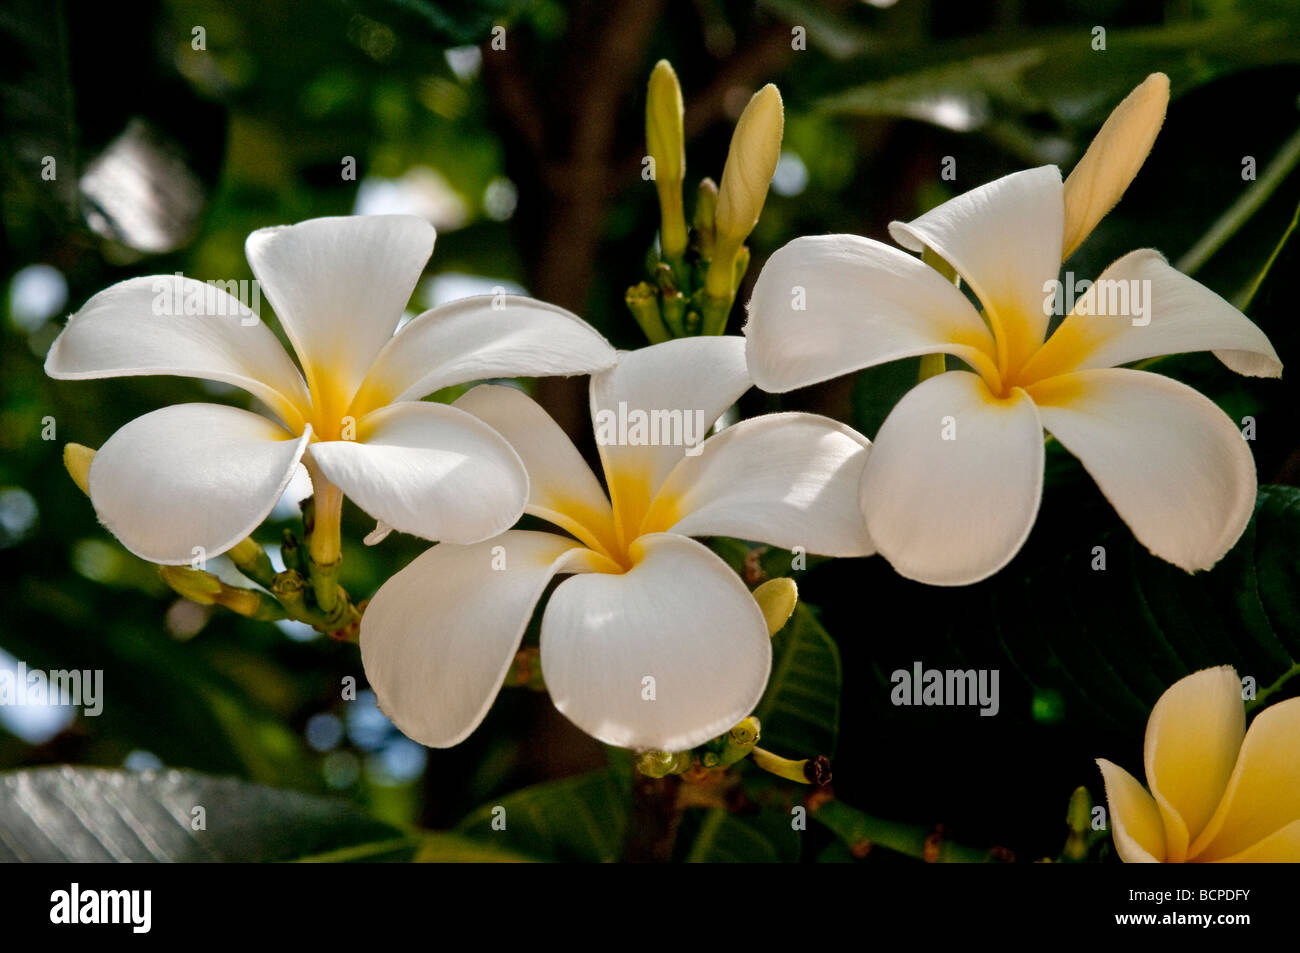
(581, 818)
(800, 710)
(95, 815)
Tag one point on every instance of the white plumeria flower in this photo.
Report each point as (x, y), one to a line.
(199, 477)
(657, 644)
(956, 472)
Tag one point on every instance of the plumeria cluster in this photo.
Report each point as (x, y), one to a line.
(651, 642)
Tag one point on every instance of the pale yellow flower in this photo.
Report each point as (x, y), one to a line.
(1218, 792)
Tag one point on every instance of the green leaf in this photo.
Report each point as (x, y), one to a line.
(443, 848)
(80, 815)
(1004, 89)
(800, 710)
(582, 818)
(859, 830)
(724, 838)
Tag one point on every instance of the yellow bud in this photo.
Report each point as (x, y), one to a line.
(663, 124)
(751, 162)
(76, 459)
(666, 143)
(194, 584)
(706, 210)
(777, 599)
(1113, 159)
(244, 551)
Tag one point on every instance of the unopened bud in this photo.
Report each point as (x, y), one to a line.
(777, 598)
(76, 459)
(1113, 159)
(666, 143)
(751, 163)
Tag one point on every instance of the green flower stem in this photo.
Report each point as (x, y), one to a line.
(806, 771)
(252, 560)
(714, 312)
(291, 590)
(861, 832)
(643, 302)
(324, 552)
(291, 552)
(1263, 694)
(673, 303)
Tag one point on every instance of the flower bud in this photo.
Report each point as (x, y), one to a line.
(777, 598)
(706, 213)
(1113, 159)
(666, 143)
(76, 459)
(751, 162)
(194, 584)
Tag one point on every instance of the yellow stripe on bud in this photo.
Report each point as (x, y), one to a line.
(1113, 159)
(666, 143)
(76, 459)
(751, 163)
(777, 598)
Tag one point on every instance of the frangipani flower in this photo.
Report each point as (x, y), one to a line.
(953, 484)
(204, 475)
(656, 643)
(1218, 792)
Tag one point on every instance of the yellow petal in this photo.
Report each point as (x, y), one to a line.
(1134, 818)
(1261, 806)
(751, 162)
(1282, 847)
(1191, 745)
(1113, 159)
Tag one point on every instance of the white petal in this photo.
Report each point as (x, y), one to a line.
(429, 469)
(139, 326)
(483, 337)
(827, 305)
(191, 480)
(684, 385)
(339, 286)
(438, 638)
(562, 488)
(1134, 818)
(1170, 461)
(784, 479)
(666, 656)
(1179, 314)
(952, 484)
(1004, 239)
